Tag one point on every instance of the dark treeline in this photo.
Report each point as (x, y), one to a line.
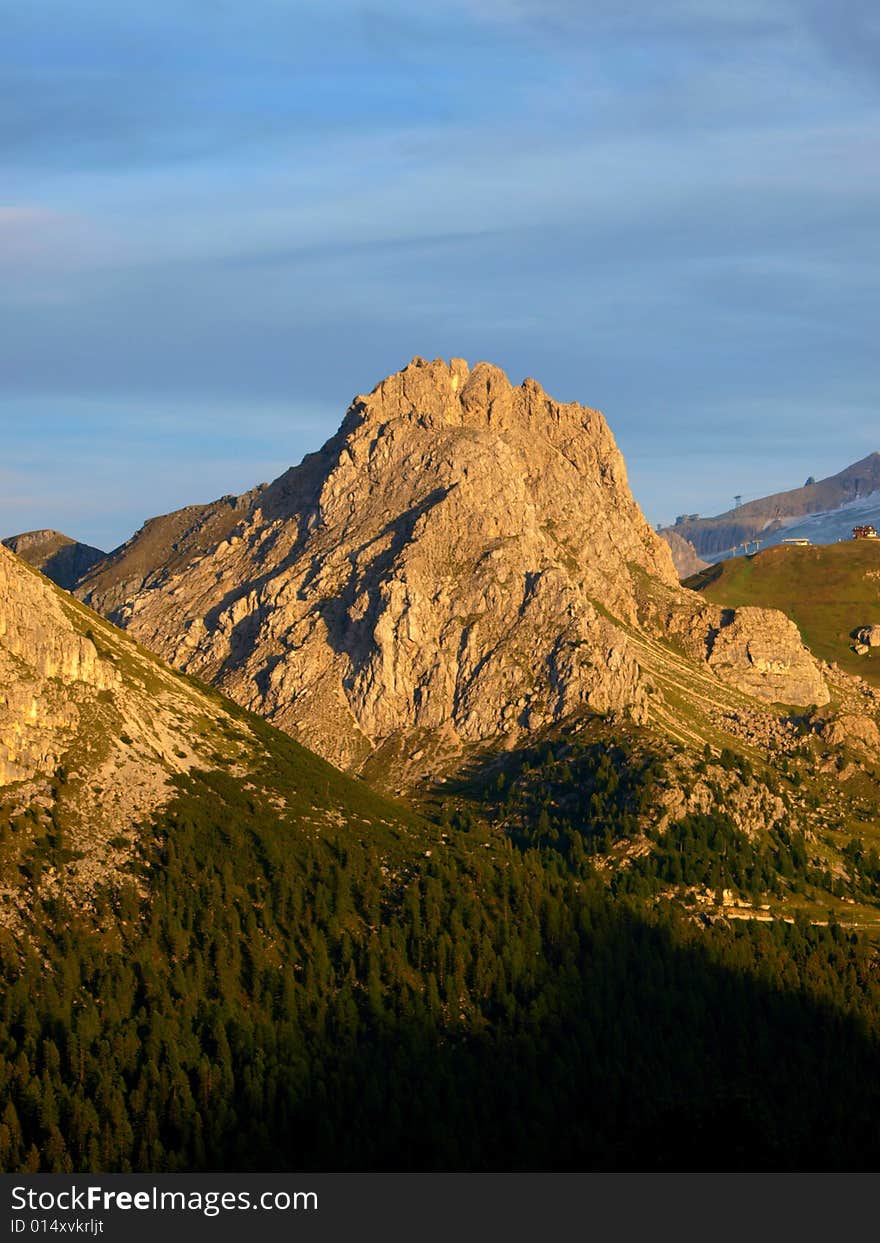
(266, 994)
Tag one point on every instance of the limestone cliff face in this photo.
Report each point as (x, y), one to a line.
(39, 651)
(462, 561)
(447, 562)
(92, 732)
(758, 651)
(761, 652)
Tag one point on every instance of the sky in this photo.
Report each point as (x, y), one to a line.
(219, 221)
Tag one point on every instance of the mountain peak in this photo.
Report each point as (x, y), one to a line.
(446, 562)
(454, 394)
(462, 563)
(59, 557)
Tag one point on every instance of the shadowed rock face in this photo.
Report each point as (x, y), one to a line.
(57, 556)
(459, 563)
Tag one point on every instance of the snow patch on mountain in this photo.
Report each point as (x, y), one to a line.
(828, 527)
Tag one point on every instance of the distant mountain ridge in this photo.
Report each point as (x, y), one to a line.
(773, 518)
(684, 555)
(59, 557)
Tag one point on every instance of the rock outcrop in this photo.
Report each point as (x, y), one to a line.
(39, 651)
(92, 730)
(854, 730)
(869, 636)
(760, 651)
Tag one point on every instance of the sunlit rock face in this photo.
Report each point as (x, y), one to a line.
(761, 652)
(448, 561)
(41, 656)
(463, 561)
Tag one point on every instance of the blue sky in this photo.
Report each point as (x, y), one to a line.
(219, 221)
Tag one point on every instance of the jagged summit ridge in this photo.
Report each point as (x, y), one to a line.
(527, 463)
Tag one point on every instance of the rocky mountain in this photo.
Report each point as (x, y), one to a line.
(462, 562)
(40, 649)
(219, 952)
(829, 526)
(57, 556)
(93, 730)
(823, 511)
(94, 735)
(684, 555)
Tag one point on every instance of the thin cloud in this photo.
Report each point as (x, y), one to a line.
(213, 210)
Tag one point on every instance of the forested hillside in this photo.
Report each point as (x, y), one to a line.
(397, 994)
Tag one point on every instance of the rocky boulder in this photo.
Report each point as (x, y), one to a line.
(760, 651)
(869, 636)
(852, 729)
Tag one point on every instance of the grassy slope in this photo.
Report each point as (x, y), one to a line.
(828, 590)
